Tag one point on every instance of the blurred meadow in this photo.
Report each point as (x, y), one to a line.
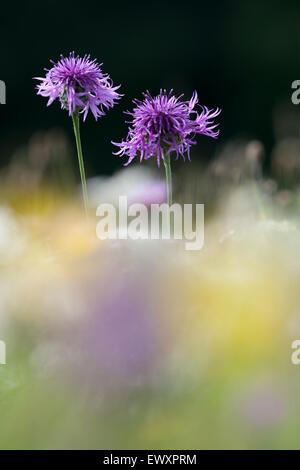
(141, 344)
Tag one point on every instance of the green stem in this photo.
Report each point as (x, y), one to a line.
(75, 118)
(167, 164)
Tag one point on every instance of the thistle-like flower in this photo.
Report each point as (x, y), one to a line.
(80, 85)
(164, 124)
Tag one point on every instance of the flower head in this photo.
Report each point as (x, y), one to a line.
(80, 85)
(166, 124)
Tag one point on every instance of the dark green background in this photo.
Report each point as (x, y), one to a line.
(239, 55)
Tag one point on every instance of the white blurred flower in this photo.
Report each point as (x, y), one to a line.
(12, 239)
(140, 185)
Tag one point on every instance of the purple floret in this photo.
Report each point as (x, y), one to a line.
(164, 124)
(80, 85)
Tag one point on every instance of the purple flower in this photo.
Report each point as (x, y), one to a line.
(80, 85)
(166, 124)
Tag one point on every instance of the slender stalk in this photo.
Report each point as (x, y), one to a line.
(75, 118)
(167, 164)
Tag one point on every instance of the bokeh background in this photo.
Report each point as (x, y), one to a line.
(123, 344)
(241, 56)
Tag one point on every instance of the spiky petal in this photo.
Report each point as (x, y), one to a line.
(79, 84)
(165, 124)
